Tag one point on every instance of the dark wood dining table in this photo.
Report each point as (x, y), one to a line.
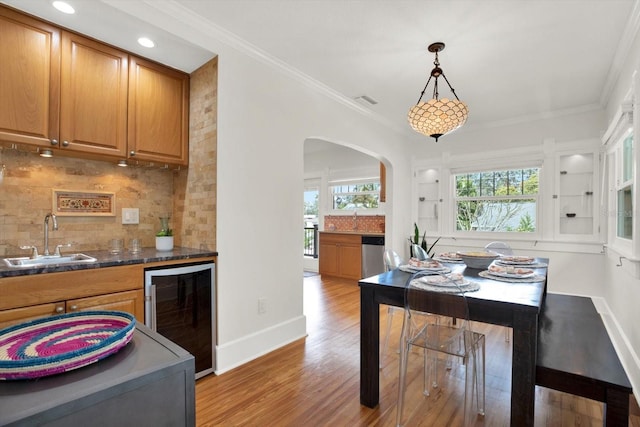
(516, 305)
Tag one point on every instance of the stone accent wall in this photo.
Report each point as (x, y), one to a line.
(195, 188)
(26, 197)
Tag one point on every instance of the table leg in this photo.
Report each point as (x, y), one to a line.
(616, 408)
(523, 368)
(369, 348)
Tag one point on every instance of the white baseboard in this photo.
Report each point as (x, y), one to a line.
(626, 353)
(238, 352)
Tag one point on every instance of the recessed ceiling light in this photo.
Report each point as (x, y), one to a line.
(64, 7)
(146, 42)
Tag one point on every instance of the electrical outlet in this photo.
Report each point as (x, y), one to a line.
(262, 305)
(130, 215)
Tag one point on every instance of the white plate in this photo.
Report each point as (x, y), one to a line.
(511, 275)
(441, 281)
(514, 260)
(449, 257)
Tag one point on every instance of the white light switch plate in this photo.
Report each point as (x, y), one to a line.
(130, 215)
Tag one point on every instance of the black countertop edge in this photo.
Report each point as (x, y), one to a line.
(106, 259)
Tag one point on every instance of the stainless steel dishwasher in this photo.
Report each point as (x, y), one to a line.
(372, 255)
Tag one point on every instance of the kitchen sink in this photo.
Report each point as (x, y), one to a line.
(43, 260)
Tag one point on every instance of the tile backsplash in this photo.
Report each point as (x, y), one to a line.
(26, 197)
(366, 223)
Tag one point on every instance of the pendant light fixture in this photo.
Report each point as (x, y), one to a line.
(437, 117)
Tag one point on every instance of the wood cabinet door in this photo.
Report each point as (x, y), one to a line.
(328, 259)
(129, 301)
(29, 80)
(158, 113)
(93, 110)
(350, 261)
(24, 314)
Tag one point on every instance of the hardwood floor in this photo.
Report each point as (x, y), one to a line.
(315, 381)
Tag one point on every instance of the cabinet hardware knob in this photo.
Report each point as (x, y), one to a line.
(59, 309)
(132, 153)
(73, 307)
(65, 143)
(54, 142)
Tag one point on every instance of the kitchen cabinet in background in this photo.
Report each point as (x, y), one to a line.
(30, 83)
(340, 255)
(128, 301)
(33, 296)
(87, 99)
(158, 113)
(93, 107)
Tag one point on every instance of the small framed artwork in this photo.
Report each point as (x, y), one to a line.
(84, 203)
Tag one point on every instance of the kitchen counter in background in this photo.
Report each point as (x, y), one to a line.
(352, 254)
(106, 259)
(358, 232)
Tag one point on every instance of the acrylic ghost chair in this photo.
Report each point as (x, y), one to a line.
(501, 248)
(391, 261)
(456, 340)
(419, 253)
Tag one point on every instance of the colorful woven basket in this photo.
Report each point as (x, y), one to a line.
(61, 343)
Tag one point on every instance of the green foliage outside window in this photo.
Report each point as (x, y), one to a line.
(497, 200)
(356, 196)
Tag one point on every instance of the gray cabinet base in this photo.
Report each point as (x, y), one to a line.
(150, 382)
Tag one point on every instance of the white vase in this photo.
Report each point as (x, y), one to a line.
(164, 243)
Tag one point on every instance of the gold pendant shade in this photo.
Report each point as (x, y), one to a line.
(437, 117)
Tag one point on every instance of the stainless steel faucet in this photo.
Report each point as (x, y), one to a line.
(355, 220)
(46, 230)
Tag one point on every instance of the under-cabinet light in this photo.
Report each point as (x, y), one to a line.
(46, 153)
(123, 163)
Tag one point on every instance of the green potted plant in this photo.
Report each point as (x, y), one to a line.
(164, 237)
(416, 240)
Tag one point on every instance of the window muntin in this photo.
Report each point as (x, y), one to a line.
(352, 196)
(624, 189)
(497, 201)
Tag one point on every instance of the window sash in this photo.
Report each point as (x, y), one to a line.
(500, 191)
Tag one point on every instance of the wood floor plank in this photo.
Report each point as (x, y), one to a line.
(315, 381)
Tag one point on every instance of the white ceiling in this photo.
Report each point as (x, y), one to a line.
(509, 60)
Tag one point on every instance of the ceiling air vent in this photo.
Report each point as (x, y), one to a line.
(366, 100)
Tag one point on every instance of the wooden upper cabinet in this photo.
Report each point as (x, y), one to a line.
(29, 79)
(158, 113)
(93, 111)
(383, 183)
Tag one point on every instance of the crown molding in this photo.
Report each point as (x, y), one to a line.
(623, 50)
(174, 11)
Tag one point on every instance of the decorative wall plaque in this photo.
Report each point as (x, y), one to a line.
(81, 203)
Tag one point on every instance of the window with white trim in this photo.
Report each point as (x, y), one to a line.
(350, 196)
(497, 200)
(624, 187)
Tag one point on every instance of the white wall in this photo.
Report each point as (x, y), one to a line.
(260, 168)
(621, 286)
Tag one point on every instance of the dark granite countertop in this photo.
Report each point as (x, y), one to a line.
(106, 259)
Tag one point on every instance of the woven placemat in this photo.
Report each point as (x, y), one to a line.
(468, 286)
(532, 279)
(57, 344)
(410, 269)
